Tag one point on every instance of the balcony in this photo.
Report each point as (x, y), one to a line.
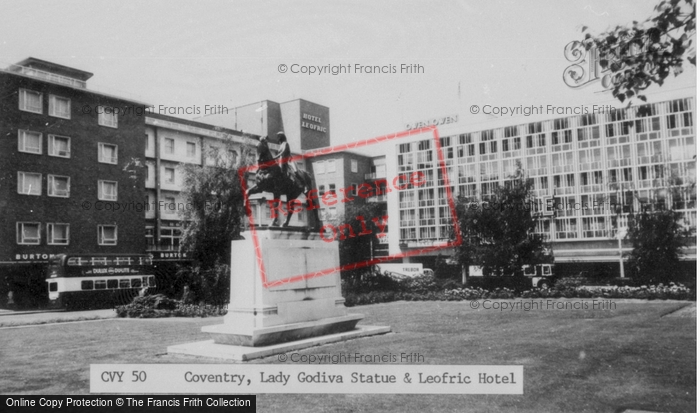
(48, 76)
(375, 175)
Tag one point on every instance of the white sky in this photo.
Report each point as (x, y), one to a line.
(181, 53)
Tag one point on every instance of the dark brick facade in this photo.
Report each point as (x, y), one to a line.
(80, 209)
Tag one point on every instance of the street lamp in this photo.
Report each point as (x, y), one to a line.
(621, 233)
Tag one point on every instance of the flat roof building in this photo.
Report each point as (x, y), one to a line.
(591, 170)
(68, 158)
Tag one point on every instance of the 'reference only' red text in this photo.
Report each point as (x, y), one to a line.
(330, 198)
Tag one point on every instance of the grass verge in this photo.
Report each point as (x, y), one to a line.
(574, 360)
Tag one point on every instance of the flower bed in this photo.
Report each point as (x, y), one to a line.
(158, 306)
(654, 292)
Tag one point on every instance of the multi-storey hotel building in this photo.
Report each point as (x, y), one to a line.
(68, 163)
(588, 172)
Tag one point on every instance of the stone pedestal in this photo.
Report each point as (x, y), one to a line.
(284, 296)
(275, 296)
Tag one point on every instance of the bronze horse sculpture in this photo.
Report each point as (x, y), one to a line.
(271, 178)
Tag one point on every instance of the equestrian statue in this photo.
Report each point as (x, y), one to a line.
(283, 178)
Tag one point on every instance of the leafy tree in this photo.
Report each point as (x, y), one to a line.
(212, 218)
(658, 233)
(358, 249)
(657, 240)
(498, 234)
(647, 52)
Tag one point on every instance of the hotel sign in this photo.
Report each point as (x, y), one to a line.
(586, 60)
(313, 122)
(445, 120)
(586, 67)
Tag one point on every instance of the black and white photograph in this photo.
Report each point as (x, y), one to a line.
(348, 206)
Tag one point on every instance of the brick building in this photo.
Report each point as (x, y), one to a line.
(69, 176)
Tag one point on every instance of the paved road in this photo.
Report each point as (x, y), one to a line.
(15, 318)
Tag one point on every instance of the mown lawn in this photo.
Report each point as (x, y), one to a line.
(574, 360)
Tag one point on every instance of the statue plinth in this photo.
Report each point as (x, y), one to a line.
(290, 309)
(293, 301)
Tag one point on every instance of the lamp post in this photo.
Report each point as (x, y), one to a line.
(621, 232)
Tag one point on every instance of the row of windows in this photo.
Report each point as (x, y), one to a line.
(564, 227)
(589, 227)
(29, 233)
(168, 174)
(559, 140)
(60, 146)
(649, 176)
(649, 152)
(30, 183)
(169, 147)
(618, 155)
(60, 107)
(328, 166)
(321, 167)
(169, 239)
(118, 283)
(92, 261)
(331, 189)
(324, 214)
(213, 153)
(674, 119)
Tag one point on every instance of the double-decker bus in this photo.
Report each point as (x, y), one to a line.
(85, 281)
